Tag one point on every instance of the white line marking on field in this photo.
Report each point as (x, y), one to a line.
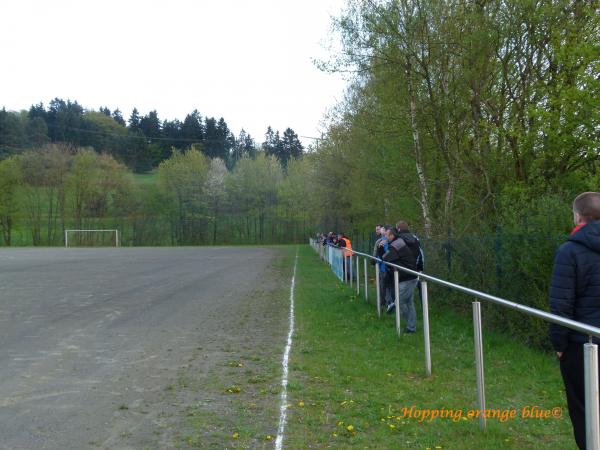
(286, 357)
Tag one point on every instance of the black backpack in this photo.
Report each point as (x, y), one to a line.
(420, 256)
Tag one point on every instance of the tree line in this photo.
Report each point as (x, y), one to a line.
(190, 199)
(476, 121)
(142, 142)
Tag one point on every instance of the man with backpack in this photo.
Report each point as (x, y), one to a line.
(404, 250)
(420, 259)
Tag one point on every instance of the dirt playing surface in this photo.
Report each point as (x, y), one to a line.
(140, 348)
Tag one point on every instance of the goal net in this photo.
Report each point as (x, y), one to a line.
(92, 238)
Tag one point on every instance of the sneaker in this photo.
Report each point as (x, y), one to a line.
(390, 308)
(410, 331)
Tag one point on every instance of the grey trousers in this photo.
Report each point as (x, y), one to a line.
(407, 303)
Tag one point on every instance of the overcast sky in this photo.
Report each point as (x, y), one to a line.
(249, 61)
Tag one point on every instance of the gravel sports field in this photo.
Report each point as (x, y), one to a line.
(93, 340)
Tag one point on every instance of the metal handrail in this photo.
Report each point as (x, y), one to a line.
(590, 350)
(568, 323)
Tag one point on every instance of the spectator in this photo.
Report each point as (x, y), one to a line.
(402, 225)
(346, 245)
(386, 284)
(329, 238)
(379, 233)
(403, 250)
(575, 294)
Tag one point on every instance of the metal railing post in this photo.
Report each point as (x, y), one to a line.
(427, 344)
(357, 275)
(592, 413)
(66, 239)
(397, 300)
(366, 280)
(592, 382)
(479, 363)
(377, 275)
(350, 272)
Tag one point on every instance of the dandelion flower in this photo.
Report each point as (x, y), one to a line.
(300, 403)
(236, 435)
(269, 437)
(350, 428)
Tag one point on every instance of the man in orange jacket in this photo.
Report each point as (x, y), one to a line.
(346, 246)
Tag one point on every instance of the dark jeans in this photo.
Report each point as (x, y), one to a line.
(385, 290)
(571, 368)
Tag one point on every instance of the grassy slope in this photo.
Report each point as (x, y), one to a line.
(349, 368)
(22, 232)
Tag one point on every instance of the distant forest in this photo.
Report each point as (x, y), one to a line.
(141, 142)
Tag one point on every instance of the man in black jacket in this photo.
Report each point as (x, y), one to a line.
(403, 250)
(575, 294)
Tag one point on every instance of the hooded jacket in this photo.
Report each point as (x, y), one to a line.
(403, 251)
(575, 285)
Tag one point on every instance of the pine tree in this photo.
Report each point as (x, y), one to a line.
(118, 116)
(192, 130)
(134, 119)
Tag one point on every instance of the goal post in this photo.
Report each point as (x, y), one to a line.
(88, 233)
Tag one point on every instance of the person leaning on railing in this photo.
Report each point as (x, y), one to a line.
(403, 250)
(385, 283)
(575, 294)
(346, 246)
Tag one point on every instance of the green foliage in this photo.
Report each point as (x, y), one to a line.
(348, 367)
(182, 180)
(477, 122)
(10, 180)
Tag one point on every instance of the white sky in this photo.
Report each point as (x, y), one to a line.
(247, 61)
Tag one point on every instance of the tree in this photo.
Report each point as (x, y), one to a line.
(118, 117)
(172, 132)
(182, 179)
(215, 193)
(192, 130)
(12, 133)
(243, 147)
(10, 180)
(252, 189)
(44, 175)
(36, 132)
(64, 122)
(218, 140)
(105, 134)
(291, 147)
(97, 183)
(134, 119)
(268, 146)
(150, 125)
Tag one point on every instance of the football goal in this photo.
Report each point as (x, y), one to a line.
(92, 238)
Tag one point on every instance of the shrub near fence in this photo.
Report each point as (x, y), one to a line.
(512, 266)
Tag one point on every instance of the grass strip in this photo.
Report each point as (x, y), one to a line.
(353, 382)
